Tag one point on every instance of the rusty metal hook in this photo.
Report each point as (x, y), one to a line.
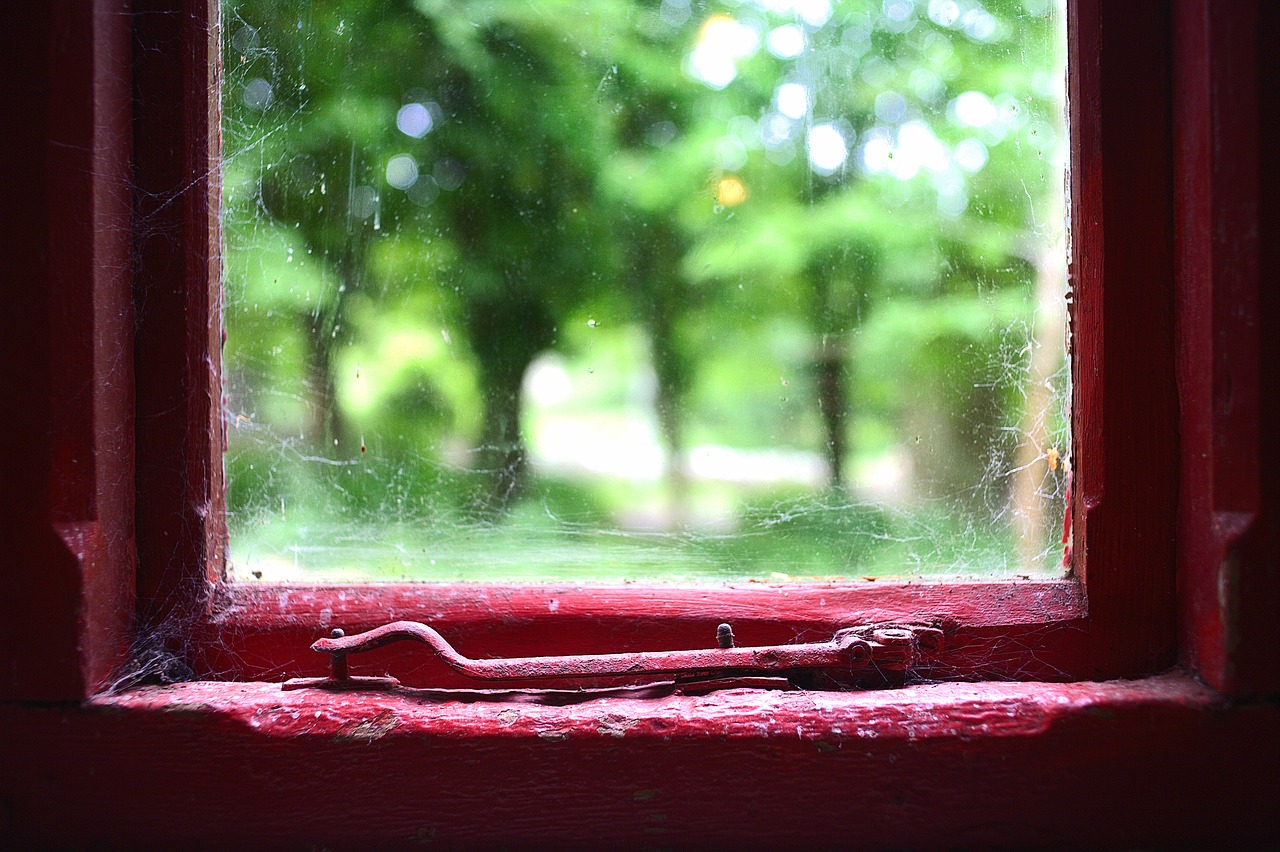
(879, 646)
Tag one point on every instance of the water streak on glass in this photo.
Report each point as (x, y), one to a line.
(611, 290)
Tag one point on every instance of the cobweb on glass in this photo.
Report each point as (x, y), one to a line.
(708, 312)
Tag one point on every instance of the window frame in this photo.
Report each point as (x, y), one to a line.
(1115, 617)
(1086, 763)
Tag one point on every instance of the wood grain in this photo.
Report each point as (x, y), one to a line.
(1125, 406)
(180, 524)
(1228, 364)
(67, 325)
(1106, 765)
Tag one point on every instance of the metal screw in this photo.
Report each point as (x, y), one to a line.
(893, 636)
(724, 636)
(338, 659)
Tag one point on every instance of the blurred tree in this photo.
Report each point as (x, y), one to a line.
(705, 169)
(520, 217)
(908, 157)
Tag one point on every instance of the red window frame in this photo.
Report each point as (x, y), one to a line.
(1115, 617)
(115, 487)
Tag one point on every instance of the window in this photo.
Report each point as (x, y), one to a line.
(249, 634)
(240, 762)
(1025, 630)
(584, 292)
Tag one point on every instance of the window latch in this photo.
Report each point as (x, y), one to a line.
(888, 649)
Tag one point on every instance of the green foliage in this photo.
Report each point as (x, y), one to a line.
(425, 197)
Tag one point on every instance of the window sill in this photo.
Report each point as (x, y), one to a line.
(825, 721)
(1154, 762)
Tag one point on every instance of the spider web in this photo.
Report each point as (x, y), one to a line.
(310, 504)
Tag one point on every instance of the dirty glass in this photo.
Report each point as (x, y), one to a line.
(615, 290)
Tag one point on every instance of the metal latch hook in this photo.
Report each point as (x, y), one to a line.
(887, 648)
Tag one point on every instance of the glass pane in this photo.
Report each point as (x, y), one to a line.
(593, 290)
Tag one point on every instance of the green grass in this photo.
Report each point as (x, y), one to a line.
(562, 533)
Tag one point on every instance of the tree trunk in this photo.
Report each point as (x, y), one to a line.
(322, 328)
(506, 335)
(662, 297)
(837, 301)
(326, 427)
(1036, 465)
(1034, 510)
(671, 372)
(503, 457)
(833, 404)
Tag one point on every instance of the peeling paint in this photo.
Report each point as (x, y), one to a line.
(370, 730)
(616, 726)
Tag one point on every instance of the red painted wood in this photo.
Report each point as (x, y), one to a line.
(178, 353)
(1258, 630)
(67, 324)
(1124, 421)
(24, 329)
(179, 468)
(1228, 515)
(1126, 477)
(1159, 762)
(970, 766)
(1026, 630)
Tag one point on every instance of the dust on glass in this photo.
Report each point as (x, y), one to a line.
(558, 290)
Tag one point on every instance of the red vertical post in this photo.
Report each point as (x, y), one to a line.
(179, 420)
(1228, 365)
(1124, 403)
(68, 595)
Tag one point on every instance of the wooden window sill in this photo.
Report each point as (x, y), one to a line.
(827, 721)
(959, 765)
(1161, 761)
